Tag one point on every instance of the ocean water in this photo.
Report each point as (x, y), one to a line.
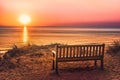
(65, 35)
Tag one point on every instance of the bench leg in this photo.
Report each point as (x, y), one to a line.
(53, 65)
(56, 67)
(95, 63)
(102, 64)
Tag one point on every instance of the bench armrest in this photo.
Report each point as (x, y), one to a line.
(54, 53)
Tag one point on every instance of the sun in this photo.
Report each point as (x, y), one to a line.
(24, 19)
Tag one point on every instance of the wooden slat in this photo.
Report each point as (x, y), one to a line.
(87, 51)
(100, 50)
(73, 51)
(60, 52)
(64, 52)
(103, 49)
(77, 52)
(90, 50)
(56, 52)
(84, 54)
(70, 51)
(80, 51)
(67, 51)
(93, 53)
(96, 51)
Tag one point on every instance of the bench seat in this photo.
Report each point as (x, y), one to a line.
(78, 59)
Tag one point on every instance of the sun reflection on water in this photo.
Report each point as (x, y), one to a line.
(25, 35)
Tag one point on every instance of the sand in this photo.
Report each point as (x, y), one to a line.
(37, 65)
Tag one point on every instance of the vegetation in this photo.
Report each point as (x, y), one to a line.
(15, 57)
(114, 48)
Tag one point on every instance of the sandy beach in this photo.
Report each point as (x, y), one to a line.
(35, 63)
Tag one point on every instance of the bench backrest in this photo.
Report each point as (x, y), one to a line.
(76, 51)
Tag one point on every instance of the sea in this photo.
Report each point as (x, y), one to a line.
(44, 35)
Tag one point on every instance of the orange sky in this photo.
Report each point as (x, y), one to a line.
(48, 12)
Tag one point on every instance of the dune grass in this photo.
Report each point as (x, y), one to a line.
(114, 48)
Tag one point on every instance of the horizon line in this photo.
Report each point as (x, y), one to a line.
(109, 23)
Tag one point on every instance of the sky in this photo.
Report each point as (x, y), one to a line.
(54, 12)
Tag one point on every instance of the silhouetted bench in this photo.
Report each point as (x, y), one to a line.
(68, 53)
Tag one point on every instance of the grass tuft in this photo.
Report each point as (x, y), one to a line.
(114, 48)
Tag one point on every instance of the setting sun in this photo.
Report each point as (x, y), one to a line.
(24, 19)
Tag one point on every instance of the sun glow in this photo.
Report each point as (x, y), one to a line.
(24, 19)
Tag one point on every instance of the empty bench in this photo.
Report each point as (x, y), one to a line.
(68, 53)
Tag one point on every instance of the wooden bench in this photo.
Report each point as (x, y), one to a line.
(68, 53)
